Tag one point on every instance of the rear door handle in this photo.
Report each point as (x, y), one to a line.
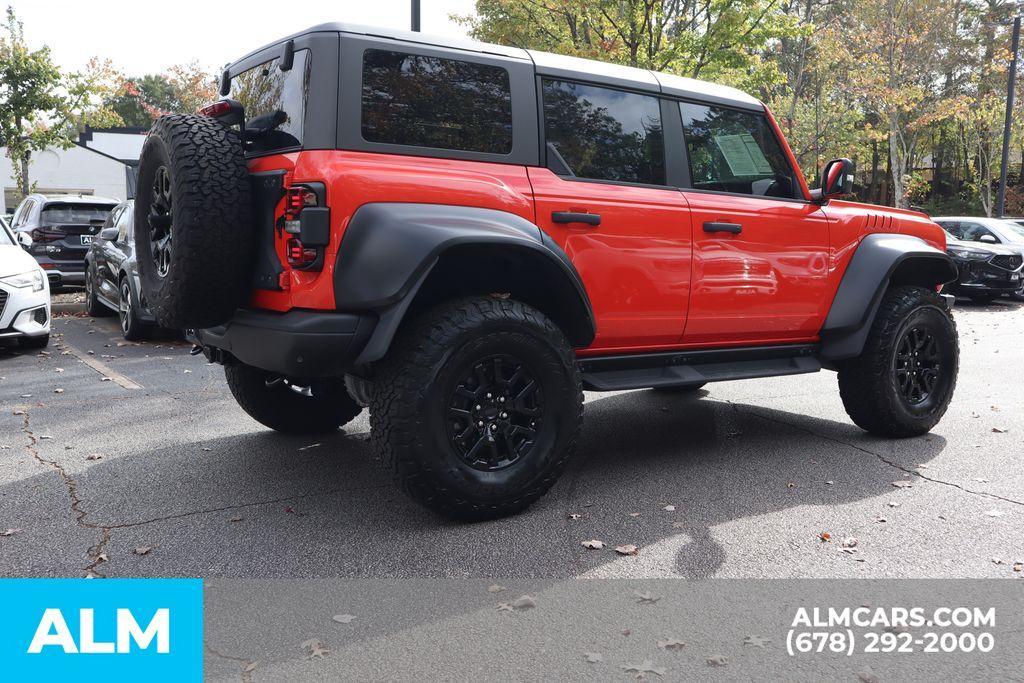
(712, 226)
(592, 219)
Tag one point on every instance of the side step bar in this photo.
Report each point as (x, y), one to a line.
(679, 368)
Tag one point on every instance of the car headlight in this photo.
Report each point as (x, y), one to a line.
(33, 278)
(971, 254)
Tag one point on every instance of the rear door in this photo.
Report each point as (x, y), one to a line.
(604, 198)
(760, 248)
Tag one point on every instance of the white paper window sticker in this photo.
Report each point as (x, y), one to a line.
(743, 155)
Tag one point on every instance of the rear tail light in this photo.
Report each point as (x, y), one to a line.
(44, 235)
(301, 256)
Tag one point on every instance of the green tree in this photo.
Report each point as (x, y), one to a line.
(39, 107)
(140, 100)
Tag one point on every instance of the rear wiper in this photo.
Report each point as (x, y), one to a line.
(261, 125)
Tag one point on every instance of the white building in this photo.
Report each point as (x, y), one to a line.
(123, 143)
(75, 170)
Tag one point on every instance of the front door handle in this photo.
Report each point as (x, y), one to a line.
(591, 219)
(712, 226)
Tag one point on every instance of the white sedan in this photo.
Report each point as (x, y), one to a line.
(24, 293)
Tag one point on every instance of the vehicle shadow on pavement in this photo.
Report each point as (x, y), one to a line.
(266, 505)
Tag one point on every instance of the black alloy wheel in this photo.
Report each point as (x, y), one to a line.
(161, 218)
(494, 413)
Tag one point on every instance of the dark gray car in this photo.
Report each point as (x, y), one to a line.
(112, 276)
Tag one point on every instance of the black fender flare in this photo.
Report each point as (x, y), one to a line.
(389, 249)
(880, 260)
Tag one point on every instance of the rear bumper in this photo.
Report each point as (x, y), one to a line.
(299, 343)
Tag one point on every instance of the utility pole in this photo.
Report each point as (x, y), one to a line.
(1010, 88)
(416, 16)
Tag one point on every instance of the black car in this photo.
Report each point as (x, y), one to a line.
(62, 227)
(986, 271)
(112, 276)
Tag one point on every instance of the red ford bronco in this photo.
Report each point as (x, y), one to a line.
(463, 237)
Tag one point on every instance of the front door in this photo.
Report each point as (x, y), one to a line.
(760, 262)
(603, 198)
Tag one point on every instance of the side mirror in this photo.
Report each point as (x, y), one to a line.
(25, 240)
(836, 180)
(108, 234)
(988, 239)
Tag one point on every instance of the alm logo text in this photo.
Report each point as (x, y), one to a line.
(53, 631)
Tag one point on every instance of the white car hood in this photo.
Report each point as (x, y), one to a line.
(14, 260)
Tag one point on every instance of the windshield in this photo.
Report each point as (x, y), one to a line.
(1014, 231)
(6, 238)
(74, 213)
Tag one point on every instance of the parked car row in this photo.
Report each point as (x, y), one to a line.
(989, 254)
(73, 240)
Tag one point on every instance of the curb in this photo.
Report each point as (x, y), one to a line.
(67, 309)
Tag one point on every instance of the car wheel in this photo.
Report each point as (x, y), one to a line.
(901, 384)
(93, 306)
(291, 407)
(132, 328)
(193, 229)
(40, 342)
(477, 408)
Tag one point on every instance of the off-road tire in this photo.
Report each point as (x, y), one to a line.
(416, 382)
(40, 342)
(283, 409)
(93, 306)
(132, 328)
(869, 384)
(207, 267)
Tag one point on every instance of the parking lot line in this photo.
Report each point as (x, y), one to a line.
(102, 368)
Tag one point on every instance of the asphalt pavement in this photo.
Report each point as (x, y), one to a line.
(126, 459)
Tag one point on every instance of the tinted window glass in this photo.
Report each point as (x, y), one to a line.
(74, 213)
(124, 225)
(6, 238)
(603, 134)
(432, 102)
(735, 151)
(275, 103)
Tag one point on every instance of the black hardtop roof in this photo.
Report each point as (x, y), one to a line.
(549, 64)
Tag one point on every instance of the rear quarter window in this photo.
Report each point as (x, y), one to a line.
(433, 102)
(265, 91)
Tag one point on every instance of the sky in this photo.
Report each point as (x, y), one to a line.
(147, 37)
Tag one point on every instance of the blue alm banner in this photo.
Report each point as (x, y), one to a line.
(128, 629)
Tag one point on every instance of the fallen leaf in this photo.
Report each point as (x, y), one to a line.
(312, 445)
(628, 549)
(881, 520)
(849, 542)
(669, 508)
(995, 513)
(634, 514)
(206, 448)
(671, 644)
(893, 504)
(593, 657)
(142, 550)
(997, 430)
(58, 391)
(495, 588)
(45, 436)
(756, 641)
(102, 557)
(593, 544)
(250, 667)
(315, 649)
(996, 560)
(646, 667)
(903, 484)
(981, 480)
(94, 456)
(829, 483)
(717, 660)
(344, 618)
(825, 537)
(524, 602)
(646, 597)
(574, 515)
(58, 369)
(9, 532)
(866, 675)
(235, 519)
(1018, 566)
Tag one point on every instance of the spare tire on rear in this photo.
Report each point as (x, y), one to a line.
(193, 234)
